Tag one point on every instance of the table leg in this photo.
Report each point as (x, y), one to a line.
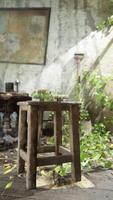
(39, 127)
(58, 130)
(32, 147)
(74, 142)
(22, 138)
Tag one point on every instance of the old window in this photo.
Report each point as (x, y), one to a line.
(23, 35)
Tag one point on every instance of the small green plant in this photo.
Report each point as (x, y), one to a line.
(84, 115)
(95, 148)
(8, 169)
(105, 24)
(62, 170)
(43, 95)
(98, 83)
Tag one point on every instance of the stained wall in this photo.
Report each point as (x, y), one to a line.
(72, 30)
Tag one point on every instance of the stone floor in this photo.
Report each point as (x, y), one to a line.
(94, 186)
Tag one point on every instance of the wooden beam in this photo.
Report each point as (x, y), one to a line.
(74, 142)
(40, 126)
(32, 147)
(53, 160)
(49, 106)
(46, 148)
(58, 130)
(22, 139)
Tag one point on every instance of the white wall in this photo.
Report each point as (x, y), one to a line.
(71, 24)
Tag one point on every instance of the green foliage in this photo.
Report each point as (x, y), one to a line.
(46, 95)
(62, 170)
(95, 151)
(65, 129)
(84, 115)
(105, 24)
(98, 84)
(109, 21)
(9, 185)
(43, 95)
(8, 168)
(95, 148)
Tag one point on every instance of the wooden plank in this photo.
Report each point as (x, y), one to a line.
(22, 138)
(49, 106)
(58, 130)
(42, 161)
(32, 148)
(23, 155)
(64, 150)
(40, 126)
(46, 148)
(52, 103)
(74, 142)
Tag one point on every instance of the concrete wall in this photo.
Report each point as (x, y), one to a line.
(71, 25)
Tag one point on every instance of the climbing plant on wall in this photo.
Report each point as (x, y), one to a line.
(107, 23)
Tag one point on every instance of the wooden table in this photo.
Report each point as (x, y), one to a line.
(29, 129)
(8, 105)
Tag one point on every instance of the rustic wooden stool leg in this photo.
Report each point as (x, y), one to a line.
(58, 130)
(22, 138)
(40, 126)
(32, 148)
(74, 142)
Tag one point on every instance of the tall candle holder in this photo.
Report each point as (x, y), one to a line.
(17, 82)
(78, 58)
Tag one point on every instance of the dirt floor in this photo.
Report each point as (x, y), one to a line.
(94, 186)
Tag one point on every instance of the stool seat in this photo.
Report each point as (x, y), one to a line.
(29, 134)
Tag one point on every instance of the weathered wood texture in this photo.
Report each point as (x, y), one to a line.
(58, 130)
(54, 160)
(74, 142)
(40, 126)
(28, 152)
(22, 138)
(32, 147)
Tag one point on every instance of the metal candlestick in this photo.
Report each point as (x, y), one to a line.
(17, 85)
(78, 58)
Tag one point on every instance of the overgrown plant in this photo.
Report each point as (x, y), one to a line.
(98, 84)
(43, 95)
(95, 148)
(105, 24)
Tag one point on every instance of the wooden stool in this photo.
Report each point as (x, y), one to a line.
(29, 128)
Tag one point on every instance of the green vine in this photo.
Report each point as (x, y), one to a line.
(98, 83)
(105, 24)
